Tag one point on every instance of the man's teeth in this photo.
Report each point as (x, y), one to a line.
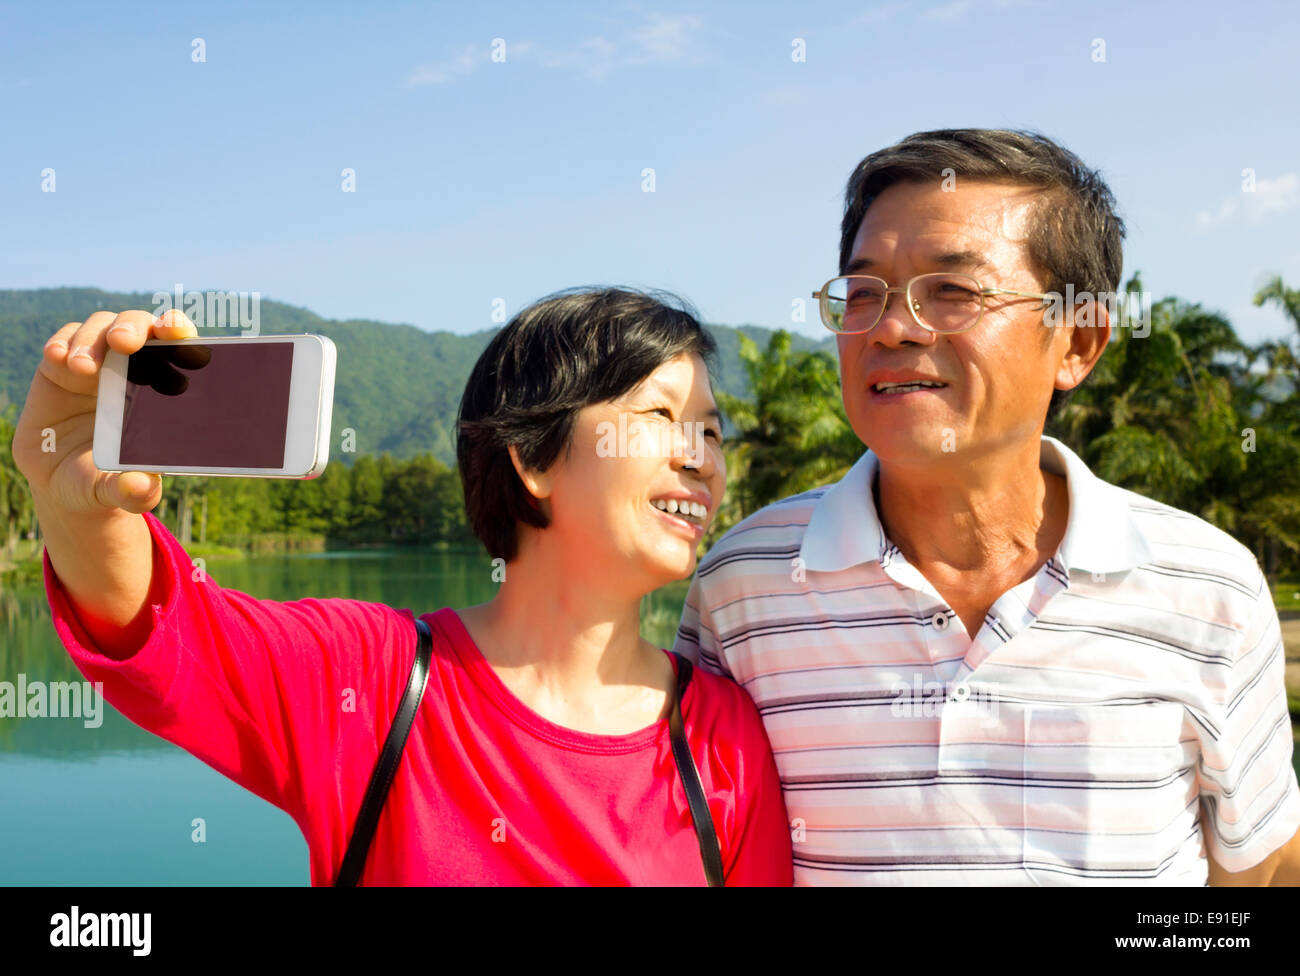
(684, 508)
(908, 387)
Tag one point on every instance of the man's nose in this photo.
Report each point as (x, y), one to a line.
(897, 326)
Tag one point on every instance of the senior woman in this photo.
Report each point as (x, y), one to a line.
(542, 751)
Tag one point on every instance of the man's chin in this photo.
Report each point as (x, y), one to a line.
(922, 444)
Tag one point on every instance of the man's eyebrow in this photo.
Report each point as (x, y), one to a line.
(961, 259)
(949, 259)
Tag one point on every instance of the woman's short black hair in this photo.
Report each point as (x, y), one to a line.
(567, 351)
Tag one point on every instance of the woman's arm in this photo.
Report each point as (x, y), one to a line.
(105, 563)
(91, 519)
(764, 855)
(746, 799)
(291, 700)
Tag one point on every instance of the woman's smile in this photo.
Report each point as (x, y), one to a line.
(685, 517)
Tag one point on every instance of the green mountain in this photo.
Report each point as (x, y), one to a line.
(397, 386)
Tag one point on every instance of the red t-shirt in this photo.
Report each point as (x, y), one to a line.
(293, 700)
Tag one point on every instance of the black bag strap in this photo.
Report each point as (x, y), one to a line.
(389, 758)
(704, 830)
(382, 778)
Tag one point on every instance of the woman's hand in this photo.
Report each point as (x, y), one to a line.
(53, 441)
(96, 538)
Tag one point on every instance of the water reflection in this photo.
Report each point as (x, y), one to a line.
(421, 581)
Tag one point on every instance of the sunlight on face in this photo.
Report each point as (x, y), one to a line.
(997, 376)
(642, 479)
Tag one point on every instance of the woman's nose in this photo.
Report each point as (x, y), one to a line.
(693, 451)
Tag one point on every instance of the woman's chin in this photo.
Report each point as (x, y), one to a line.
(671, 568)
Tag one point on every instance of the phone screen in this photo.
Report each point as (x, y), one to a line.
(207, 405)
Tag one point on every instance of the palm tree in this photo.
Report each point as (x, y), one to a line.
(16, 508)
(792, 433)
(1280, 381)
(1181, 416)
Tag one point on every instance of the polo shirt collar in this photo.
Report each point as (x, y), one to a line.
(1100, 535)
(843, 529)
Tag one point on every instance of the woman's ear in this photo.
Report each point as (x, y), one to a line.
(538, 483)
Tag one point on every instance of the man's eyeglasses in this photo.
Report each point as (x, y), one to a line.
(939, 301)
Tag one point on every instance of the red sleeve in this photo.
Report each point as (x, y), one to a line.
(270, 694)
(757, 849)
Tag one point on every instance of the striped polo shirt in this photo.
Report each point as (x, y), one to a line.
(1134, 680)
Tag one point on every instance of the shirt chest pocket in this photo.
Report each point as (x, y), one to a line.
(1109, 789)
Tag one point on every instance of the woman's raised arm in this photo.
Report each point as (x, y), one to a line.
(95, 535)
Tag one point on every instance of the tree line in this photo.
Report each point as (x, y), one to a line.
(372, 501)
(1185, 413)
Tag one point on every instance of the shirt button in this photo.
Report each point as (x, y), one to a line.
(940, 621)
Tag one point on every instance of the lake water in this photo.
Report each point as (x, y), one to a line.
(114, 804)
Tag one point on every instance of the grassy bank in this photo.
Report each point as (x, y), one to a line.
(1286, 593)
(24, 565)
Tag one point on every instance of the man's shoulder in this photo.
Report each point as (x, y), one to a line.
(775, 530)
(1182, 541)
(721, 704)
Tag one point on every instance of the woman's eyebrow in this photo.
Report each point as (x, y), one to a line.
(675, 394)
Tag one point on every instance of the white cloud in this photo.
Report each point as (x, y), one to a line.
(655, 39)
(948, 11)
(1276, 196)
(1269, 197)
(881, 13)
(594, 57)
(956, 10)
(1227, 210)
(664, 38)
(471, 57)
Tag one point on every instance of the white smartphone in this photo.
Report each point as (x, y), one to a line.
(253, 407)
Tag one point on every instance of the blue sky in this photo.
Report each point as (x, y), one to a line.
(479, 179)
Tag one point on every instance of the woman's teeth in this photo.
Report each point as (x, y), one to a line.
(691, 511)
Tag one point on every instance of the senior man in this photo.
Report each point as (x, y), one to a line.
(977, 662)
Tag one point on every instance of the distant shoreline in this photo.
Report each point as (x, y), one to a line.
(28, 569)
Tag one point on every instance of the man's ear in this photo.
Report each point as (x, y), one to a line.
(1088, 328)
(538, 483)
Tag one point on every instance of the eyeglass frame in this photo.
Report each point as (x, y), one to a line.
(906, 291)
